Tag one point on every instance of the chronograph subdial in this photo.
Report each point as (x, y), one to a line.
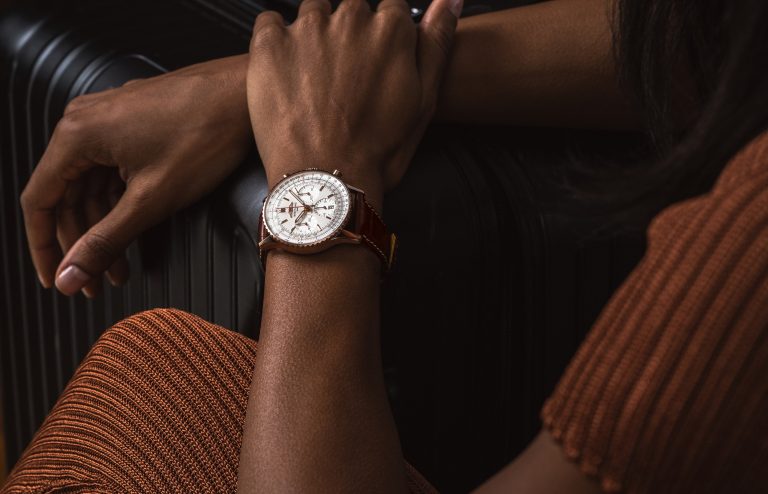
(318, 216)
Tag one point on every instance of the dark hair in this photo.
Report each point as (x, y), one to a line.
(699, 69)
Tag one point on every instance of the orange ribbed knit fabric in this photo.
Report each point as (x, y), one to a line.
(157, 406)
(669, 392)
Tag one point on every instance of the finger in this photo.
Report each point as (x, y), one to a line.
(314, 7)
(268, 29)
(59, 165)
(353, 8)
(436, 32)
(94, 195)
(97, 203)
(115, 188)
(119, 273)
(268, 20)
(71, 224)
(99, 248)
(394, 6)
(80, 103)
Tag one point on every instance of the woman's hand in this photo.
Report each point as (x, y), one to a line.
(125, 159)
(352, 91)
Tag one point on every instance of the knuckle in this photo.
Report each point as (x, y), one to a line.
(76, 104)
(353, 7)
(72, 124)
(267, 30)
(147, 194)
(141, 195)
(100, 246)
(27, 199)
(265, 36)
(311, 19)
(397, 10)
(393, 21)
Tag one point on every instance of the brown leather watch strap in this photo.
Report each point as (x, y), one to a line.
(263, 232)
(369, 225)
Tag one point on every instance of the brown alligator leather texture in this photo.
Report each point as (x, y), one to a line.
(371, 227)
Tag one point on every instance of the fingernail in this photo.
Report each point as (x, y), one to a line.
(455, 6)
(42, 281)
(88, 293)
(111, 280)
(71, 280)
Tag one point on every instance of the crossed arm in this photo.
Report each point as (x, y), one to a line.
(318, 416)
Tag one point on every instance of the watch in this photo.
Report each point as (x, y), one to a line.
(312, 210)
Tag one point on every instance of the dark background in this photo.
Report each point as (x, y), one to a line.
(498, 279)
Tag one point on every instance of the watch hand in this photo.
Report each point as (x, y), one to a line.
(300, 217)
(298, 198)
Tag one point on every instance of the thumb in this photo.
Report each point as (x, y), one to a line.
(104, 243)
(436, 32)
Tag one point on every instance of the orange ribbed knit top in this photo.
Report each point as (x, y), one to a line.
(669, 391)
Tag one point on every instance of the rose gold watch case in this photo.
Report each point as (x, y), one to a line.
(341, 237)
(308, 248)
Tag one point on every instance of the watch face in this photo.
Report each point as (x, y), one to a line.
(307, 208)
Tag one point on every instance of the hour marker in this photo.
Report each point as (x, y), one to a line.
(284, 221)
(329, 217)
(286, 199)
(331, 195)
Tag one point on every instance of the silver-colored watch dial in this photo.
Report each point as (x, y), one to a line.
(307, 208)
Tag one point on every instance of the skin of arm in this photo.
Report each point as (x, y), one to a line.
(318, 417)
(548, 64)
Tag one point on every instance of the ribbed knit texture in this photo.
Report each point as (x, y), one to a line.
(157, 406)
(669, 392)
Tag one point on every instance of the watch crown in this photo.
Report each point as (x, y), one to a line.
(337, 173)
(285, 175)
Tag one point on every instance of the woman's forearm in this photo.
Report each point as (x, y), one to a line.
(549, 64)
(318, 419)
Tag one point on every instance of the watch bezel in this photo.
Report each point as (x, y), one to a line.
(312, 245)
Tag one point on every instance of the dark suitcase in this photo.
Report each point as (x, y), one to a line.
(492, 293)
